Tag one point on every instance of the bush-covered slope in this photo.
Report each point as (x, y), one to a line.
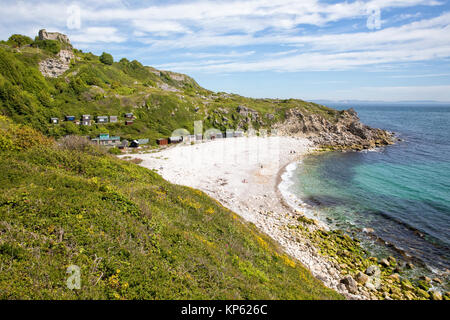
(133, 235)
(162, 101)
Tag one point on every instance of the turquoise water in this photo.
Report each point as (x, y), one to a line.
(402, 191)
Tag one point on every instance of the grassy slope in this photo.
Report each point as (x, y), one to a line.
(90, 87)
(134, 235)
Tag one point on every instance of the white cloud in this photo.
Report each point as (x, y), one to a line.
(97, 34)
(229, 25)
(159, 27)
(427, 39)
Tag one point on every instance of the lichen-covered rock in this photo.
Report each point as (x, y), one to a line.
(395, 277)
(361, 278)
(436, 295)
(371, 270)
(422, 293)
(350, 284)
(423, 285)
(370, 286)
(406, 285)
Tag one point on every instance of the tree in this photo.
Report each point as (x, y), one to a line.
(18, 40)
(106, 58)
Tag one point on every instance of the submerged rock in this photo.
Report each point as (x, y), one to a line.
(384, 263)
(436, 295)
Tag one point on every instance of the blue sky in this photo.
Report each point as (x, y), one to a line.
(364, 50)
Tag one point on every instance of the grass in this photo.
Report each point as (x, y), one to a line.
(132, 234)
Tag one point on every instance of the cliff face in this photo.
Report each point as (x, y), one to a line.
(346, 132)
(55, 67)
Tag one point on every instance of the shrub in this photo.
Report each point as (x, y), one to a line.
(18, 40)
(79, 143)
(19, 137)
(114, 151)
(74, 142)
(51, 46)
(106, 58)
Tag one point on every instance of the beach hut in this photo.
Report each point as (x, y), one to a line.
(54, 120)
(112, 119)
(238, 134)
(85, 120)
(69, 118)
(102, 119)
(105, 140)
(162, 141)
(128, 122)
(123, 144)
(134, 144)
(142, 141)
(175, 139)
(129, 115)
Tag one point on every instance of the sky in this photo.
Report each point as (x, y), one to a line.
(386, 50)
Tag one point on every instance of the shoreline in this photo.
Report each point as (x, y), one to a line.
(251, 190)
(248, 184)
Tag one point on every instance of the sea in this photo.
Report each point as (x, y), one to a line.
(395, 198)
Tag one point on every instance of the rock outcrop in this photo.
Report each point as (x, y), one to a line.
(54, 67)
(345, 131)
(248, 115)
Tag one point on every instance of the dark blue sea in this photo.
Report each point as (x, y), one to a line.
(402, 192)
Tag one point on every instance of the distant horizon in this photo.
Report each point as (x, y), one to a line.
(392, 50)
(352, 101)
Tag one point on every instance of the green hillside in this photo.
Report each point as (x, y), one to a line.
(133, 234)
(162, 101)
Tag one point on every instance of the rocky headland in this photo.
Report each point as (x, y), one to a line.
(343, 132)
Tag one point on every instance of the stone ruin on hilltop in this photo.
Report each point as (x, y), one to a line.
(54, 67)
(44, 35)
